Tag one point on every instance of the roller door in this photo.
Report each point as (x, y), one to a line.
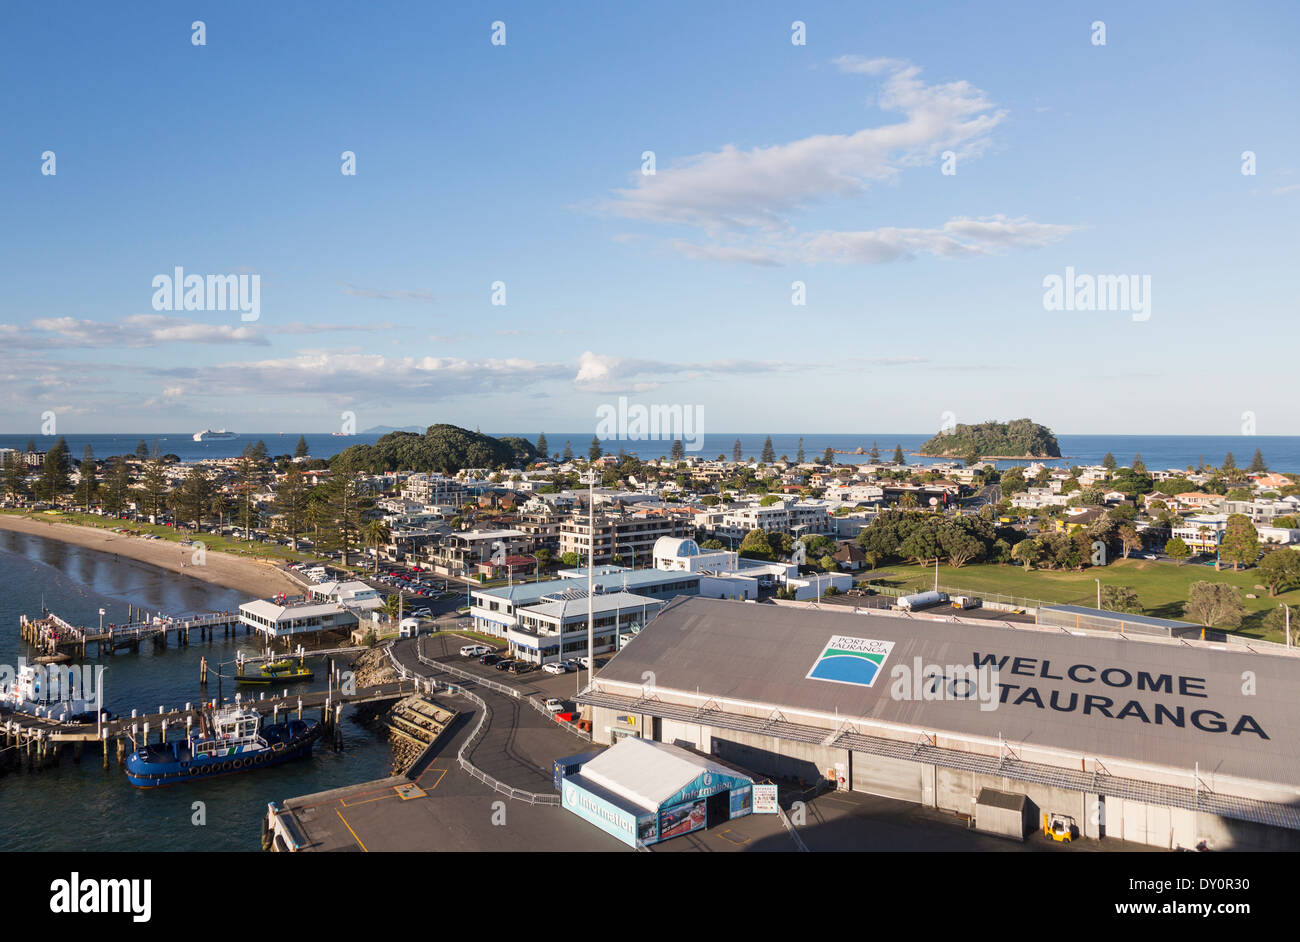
(890, 778)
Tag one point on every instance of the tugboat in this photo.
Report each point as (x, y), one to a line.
(228, 740)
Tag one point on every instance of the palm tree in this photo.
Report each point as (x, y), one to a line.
(1204, 533)
(392, 606)
(316, 512)
(376, 533)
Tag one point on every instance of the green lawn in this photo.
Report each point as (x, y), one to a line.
(1162, 587)
(479, 636)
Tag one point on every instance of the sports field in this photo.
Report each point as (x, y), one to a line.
(1162, 587)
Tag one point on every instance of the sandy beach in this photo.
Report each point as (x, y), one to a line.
(256, 578)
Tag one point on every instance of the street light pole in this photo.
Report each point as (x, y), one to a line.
(1098, 581)
(591, 578)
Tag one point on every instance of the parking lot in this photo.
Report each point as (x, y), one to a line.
(419, 589)
(445, 646)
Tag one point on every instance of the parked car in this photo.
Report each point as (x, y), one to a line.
(475, 650)
(556, 667)
(503, 664)
(521, 667)
(490, 659)
(553, 705)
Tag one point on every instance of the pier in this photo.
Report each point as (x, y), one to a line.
(54, 636)
(36, 742)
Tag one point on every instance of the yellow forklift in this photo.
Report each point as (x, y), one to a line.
(1059, 827)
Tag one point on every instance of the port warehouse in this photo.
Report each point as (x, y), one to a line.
(1146, 739)
(644, 792)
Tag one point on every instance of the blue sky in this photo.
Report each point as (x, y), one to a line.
(775, 163)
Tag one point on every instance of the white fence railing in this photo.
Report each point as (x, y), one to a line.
(480, 729)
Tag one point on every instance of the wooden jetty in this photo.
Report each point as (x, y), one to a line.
(52, 635)
(37, 742)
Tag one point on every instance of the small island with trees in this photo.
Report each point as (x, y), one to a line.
(1019, 438)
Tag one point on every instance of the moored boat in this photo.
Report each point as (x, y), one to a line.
(49, 691)
(228, 740)
(275, 674)
(285, 670)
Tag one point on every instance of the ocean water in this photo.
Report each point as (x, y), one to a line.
(81, 806)
(1281, 452)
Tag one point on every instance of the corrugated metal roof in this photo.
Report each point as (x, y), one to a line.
(993, 798)
(1102, 614)
(763, 654)
(647, 772)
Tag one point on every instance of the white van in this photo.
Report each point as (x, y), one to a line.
(474, 650)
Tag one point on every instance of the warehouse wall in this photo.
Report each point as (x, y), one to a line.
(955, 791)
(777, 757)
(890, 778)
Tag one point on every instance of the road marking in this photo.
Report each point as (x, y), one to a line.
(353, 804)
(352, 832)
(441, 774)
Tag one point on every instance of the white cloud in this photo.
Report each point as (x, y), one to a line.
(419, 297)
(368, 377)
(137, 330)
(605, 373)
(758, 188)
(744, 201)
(302, 327)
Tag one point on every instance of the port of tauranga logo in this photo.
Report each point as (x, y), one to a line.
(847, 660)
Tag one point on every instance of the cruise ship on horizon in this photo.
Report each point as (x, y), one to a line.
(213, 435)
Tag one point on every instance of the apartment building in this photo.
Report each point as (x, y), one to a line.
(1202, 532)
(631, 537)
(434, 490)
(1263, 510)
(798, 518)
(460, 553)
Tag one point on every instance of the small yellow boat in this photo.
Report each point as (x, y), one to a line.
(278, 672)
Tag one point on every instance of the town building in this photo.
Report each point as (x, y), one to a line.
(555, 628)
(629, 537)
(1143, 738)
(494, 611)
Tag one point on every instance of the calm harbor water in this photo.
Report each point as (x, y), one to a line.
(1281, 452)
(82, 807)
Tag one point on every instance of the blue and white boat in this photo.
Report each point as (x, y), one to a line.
(228, 740)
(50, 692)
